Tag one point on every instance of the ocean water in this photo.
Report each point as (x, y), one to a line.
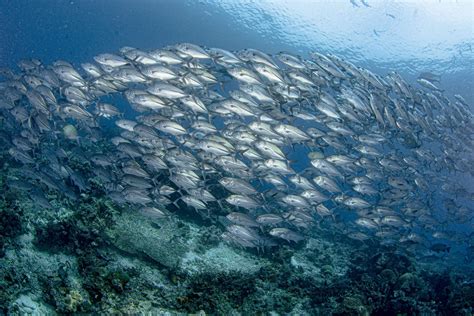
(85, 250)
(410, 37)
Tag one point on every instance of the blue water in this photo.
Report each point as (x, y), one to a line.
(409, 37)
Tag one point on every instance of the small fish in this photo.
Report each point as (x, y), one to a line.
(286, 234)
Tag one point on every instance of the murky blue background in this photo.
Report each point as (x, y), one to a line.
(409, 37)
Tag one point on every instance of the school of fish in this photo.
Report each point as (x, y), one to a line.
(268, 147)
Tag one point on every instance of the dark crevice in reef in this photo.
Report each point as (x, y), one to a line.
(11, 224)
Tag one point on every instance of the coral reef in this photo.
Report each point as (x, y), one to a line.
(97, 257)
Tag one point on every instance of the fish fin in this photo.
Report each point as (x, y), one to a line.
(175, 202)
(219, 202)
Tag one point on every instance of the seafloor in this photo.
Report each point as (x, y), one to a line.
(92, 256)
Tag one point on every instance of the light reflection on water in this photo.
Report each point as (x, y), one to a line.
(410, 36)
(426, 33)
